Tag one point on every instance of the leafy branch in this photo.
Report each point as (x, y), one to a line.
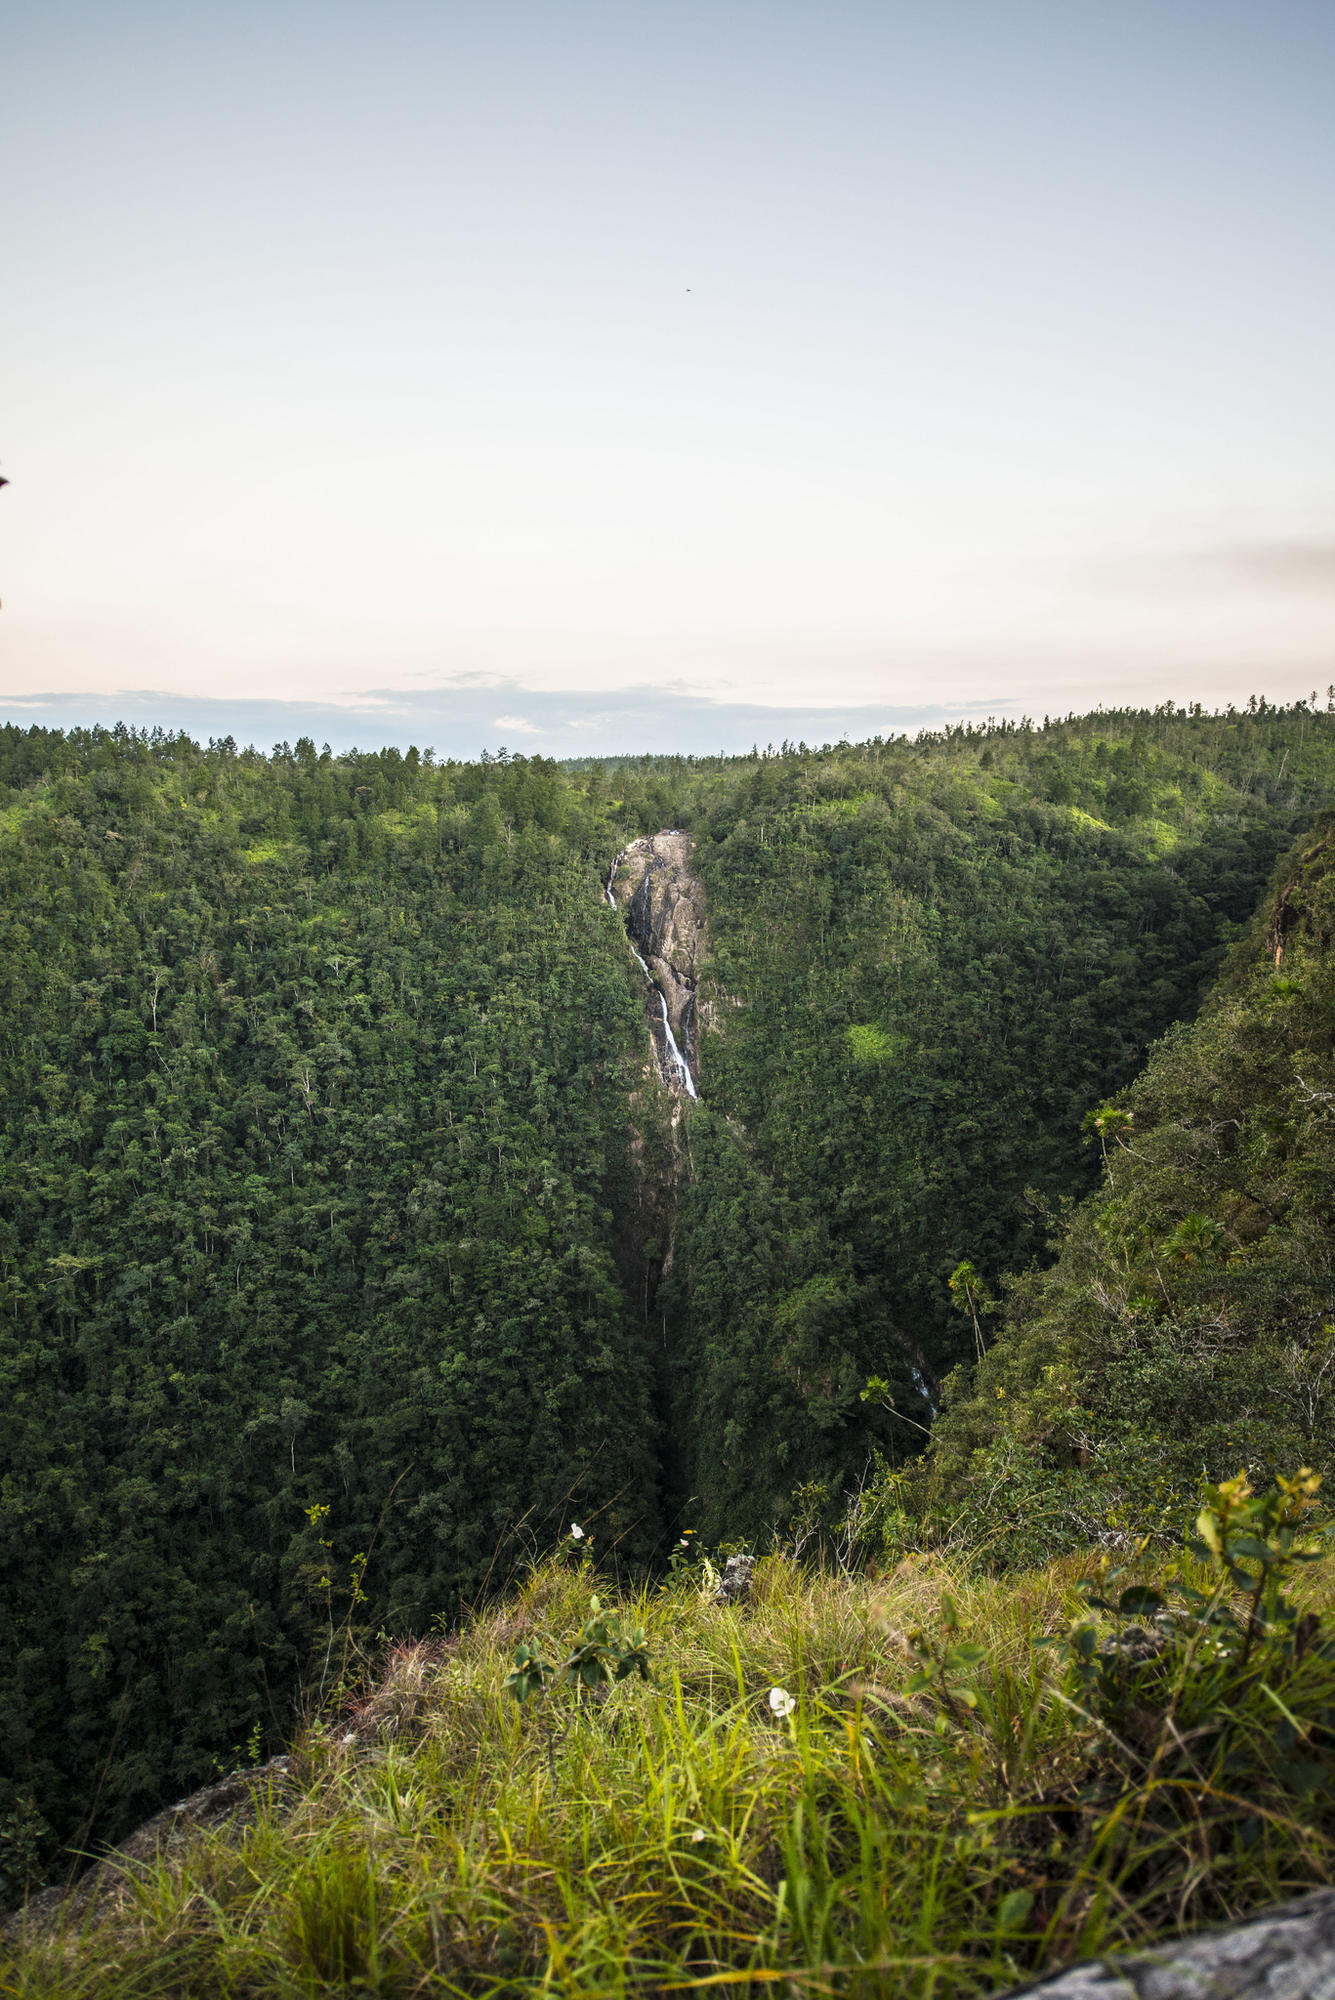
(605, 1652)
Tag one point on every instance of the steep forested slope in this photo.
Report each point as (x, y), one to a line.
(314, 1079)
(334, 1181)
(1185, 1328)
(929, 959)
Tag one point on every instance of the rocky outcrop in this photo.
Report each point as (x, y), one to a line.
(654, 885)
(1286, 1953)
(233, 1802)
(737, 1581)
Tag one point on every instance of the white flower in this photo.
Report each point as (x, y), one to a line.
(576, 1532)
(699, 1834)
(781, 1701)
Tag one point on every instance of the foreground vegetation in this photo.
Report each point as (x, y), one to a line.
(929, 1779)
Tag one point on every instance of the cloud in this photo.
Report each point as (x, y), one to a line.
(1296, 567)
(1290, 565)
(460, 718)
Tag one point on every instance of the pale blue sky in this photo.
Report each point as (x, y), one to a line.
(621, 360)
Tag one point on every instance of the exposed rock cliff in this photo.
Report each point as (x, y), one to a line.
(658, 893)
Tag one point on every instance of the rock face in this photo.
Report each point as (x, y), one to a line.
(231, 1802)
(662, 904)
(736, 1581)
(1286, 1953)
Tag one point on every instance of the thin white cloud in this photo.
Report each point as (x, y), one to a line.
(1295, 566)
(1288, 565)
(460, 721)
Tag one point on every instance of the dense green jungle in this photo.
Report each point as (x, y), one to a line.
(350, 1246)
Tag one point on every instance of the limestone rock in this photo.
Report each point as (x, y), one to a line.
(662, 903)
(231, 1801)
(1285, 1953)
(735, 1584)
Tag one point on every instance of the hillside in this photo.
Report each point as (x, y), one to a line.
(929, 961)
(348, 1244)
(1185, 1326)
(315, 1081)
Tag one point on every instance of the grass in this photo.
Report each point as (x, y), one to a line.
(922, 1824)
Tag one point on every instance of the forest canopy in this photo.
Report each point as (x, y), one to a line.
(348, 1247)
(1184, 1325)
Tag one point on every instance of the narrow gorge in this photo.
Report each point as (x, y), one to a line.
(345, 1207)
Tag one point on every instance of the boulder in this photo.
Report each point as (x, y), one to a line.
(1284, 1953)
(736, 1582)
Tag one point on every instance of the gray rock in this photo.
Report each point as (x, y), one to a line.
(232, 1800)
(735, 1586)
(1284, 1953)
(1135, 1647)
(655, 886)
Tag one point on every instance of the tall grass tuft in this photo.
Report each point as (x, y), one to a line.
(931, 1784)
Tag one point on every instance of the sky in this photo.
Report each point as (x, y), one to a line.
(589, 377)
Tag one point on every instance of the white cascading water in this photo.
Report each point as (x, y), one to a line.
(920, 1385)
(679, 1062)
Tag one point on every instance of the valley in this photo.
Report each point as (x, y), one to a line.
(404, 1158)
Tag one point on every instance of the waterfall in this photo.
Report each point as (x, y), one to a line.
(681, 1069)
(920, 1384)
(679, 1061)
